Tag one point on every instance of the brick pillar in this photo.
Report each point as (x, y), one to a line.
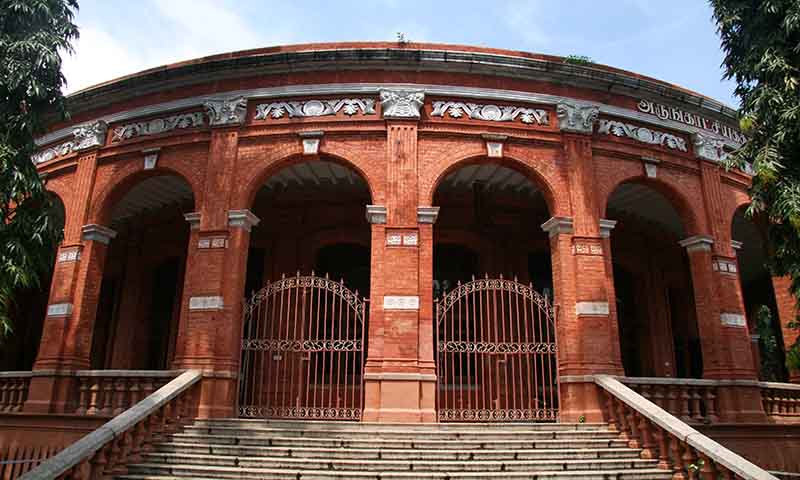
(787, 312)
(399, 375)
(588, 335)
(130, 339)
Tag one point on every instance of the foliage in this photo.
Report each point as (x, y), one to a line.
(33, 34)
(761, 41)
(771, 368)
(578, 60)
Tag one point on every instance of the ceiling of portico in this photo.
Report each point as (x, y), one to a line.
(495, 179)
(315, 177)
(633, 200)
(150, 196)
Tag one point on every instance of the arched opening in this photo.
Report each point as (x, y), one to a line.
(494, 324)
(759, 296)
(140, 294)
(307, 275)
(19, 349)
(653, 284)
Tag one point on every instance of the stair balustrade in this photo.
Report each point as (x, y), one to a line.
(13, 390)
(111, 392)
(661, 435)
(781, 401)
(691, 400)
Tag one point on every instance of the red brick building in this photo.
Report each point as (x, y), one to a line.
(398, 232)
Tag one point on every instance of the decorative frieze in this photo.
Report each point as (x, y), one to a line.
(591, 308)
(376, 214)
(697, 243)
(427, 214)
(402, 104)
(90, 135)
(315, 108)
(206, 303)
(576, 117)
(733, 319)
(51, 153)
(157, 126)
(558, 225)
(641, 134)
(490, 112)
(97, 233)
(676, 114)
(69, 254)
(59, 310)
(708, 147)
(214, 242)
(400, 302)
(223, 112)
(402, 238)
(242, 219)
(586, 246)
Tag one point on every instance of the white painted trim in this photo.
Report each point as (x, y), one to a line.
(373, 89)
(59, 310)
(400, 302)
(591, 308)
(733, 319)
(206, 303)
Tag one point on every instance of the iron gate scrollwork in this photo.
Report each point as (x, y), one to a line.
(303, 347)
(496, 353)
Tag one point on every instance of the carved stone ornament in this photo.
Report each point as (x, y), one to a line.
(402, 103)
(226, 111)
(315, 108)
(708, 147)
(576, 117)
(156, 126)
(376, 214)
(52, 153)
(491, 113)
(97, 233)
(90, 135)
(242, 219)
(641, 134)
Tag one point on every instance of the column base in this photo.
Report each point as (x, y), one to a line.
(399, 398)
(49, 392)
(581, 401)
(740, 404)
(217, 395)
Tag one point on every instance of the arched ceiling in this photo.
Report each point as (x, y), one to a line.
(152, 195)
(639, 201)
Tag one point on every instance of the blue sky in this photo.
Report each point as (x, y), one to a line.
(672, 40)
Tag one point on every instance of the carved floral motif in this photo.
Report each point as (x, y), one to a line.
(641, 134)
(708, 147)
(402, 103)
(315, 108)
(492, 113)
(229, 111)
(90, 135)
(576, 117)
(52, 153)
(156, 126)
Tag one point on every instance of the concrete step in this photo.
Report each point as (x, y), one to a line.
(610, 440)
(424, 427)
(180, 460)
(159, 472)
(399, 433)
(395, 454)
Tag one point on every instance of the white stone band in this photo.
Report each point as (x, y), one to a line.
(591, 308)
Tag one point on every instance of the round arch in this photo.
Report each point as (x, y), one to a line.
(530, 173)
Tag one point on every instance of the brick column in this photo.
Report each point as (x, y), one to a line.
(400, 375)
(787, 312)
(588, 335)
(75, 286)
(209, 332)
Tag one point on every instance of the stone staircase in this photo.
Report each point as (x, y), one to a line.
(260, 449)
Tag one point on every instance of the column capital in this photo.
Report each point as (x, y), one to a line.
(224, 112)
(193, 218)
(606, 226)
(736, 244)
(242, 219)
(90, 135)
(427, 214)
(708, 147)
(697, 242)
(558, 225)
(98, 233)
(403, 104)
(376, 214)
(577, 117)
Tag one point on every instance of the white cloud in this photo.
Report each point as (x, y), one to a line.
(98, 57)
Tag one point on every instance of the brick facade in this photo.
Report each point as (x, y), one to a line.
(403, 161)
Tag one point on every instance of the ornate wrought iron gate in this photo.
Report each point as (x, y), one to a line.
(496, 353)
(303, 347)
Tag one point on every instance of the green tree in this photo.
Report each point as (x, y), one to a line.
(33, 35)
(761, 41)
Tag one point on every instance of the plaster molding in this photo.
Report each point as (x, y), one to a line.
(225, 112)
(650, 166)
(401, 104)
(311, 141)
(242, 219)
(558, 225)
(696, 243)
(193, 218)
(69, 254)
(641, 134)
(427, 214)
(736, 245)
(206, 303)
(576, 116)
(591, 308)
(314, 108)
(90, 135)
(97, 233)
(59, 310)
(157, 126)
(708, 147)
(606, 226)
(151, 157)
(400, 302)
(376, 214)
(51, 153)
(733, 319)
(490, 112)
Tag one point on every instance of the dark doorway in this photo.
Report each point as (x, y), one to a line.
(345, 261)
(452, 264)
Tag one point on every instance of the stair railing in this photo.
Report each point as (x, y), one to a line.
(678, 447)
(125, 438)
